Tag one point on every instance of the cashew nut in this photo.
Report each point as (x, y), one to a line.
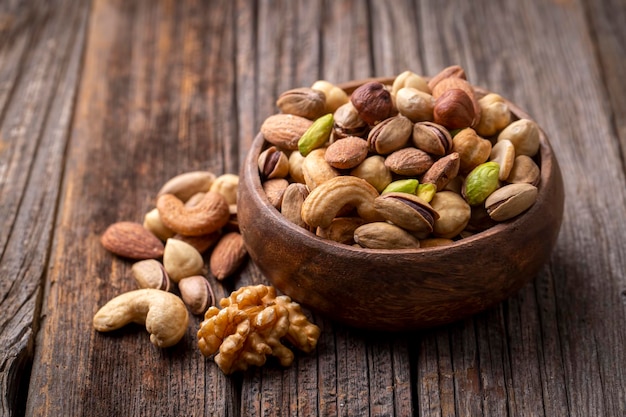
(187, 184)
(324, 202)
(164, 315)
(208, 215)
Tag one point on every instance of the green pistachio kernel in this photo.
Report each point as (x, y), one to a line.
(408, 186)
(316, 135)
(481, 182)
(426, 191)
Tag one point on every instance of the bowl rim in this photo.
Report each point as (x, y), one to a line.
(547, 164)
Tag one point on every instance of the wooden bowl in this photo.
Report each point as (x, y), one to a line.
(397, 290)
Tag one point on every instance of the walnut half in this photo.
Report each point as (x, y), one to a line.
(252, 323)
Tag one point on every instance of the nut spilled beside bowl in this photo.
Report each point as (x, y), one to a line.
(409, 288)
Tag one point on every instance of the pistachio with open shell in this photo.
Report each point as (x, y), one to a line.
(273, 163)
(407, 211)
(305, 102)
(510, 201)
(432, 138)
(390, 135)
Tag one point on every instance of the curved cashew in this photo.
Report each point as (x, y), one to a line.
(208, 215)
(187, 184)
(163, 313)
(325, 201)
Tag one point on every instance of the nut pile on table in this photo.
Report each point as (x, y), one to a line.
(196, 215)
(412, 164)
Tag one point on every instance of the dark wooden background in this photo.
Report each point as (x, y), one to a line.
(102, 101)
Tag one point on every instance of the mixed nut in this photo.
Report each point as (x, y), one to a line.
(436, 158)
(197, 212)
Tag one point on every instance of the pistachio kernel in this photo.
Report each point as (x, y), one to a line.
(408, 186)
(481, 182)
(316, 135)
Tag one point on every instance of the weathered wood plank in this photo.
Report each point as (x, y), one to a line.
(172, 86)
(40, 54)
(563, 330)
(148, 109)
(607, 27)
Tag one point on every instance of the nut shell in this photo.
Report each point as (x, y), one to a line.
(304, 102)
(510, 201)
(196, 293)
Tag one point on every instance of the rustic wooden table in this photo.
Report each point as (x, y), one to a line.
(102, 101)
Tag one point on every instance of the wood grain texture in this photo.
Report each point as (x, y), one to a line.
(40, 55)
(101, 101)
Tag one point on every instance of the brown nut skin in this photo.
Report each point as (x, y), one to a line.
(285, 130)
(409, 162)
(346, 153)
(432, 138)
(304, 102)
(207, 216)
(131, 240)
(472, 149)
(454, 109)
(373, 102)
(227, 256)
(443, 171)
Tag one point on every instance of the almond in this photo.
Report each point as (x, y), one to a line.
(285, 130)
(131, 240)
(228, 255)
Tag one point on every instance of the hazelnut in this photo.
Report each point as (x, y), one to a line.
(373, 102)
(454, 109)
